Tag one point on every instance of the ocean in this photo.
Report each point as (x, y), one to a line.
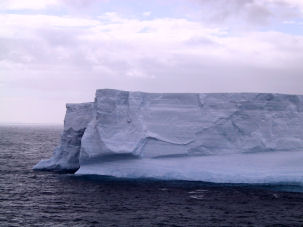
(33, 198)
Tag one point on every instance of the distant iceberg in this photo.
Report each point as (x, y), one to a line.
(215, 137)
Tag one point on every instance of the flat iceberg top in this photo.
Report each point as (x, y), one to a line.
(111, 91)
(78, 115)
(147, 131)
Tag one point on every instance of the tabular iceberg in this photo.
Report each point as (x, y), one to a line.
(217, 137)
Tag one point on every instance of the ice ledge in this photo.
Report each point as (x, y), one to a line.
(271, 167)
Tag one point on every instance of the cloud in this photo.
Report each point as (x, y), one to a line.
(28, 4)
(240, 13)
(45, 4)
(290, 3)
(65, 58)
(117, 45)
(146, 14)
(39, 20)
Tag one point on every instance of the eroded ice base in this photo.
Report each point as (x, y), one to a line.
(270, 167)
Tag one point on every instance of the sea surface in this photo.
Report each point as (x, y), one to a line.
(32, 198)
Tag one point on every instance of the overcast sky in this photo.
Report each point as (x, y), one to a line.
(54, 52)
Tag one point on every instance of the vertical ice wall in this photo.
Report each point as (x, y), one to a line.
(66, 156)
(147, 125)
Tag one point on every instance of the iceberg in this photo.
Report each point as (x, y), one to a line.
(215, 137)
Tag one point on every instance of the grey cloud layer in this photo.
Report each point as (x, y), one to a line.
(65, 58)
(248, 12)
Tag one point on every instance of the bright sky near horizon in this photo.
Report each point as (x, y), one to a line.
(54, 52)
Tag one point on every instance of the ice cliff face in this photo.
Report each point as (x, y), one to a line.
(183, 136)
(66, 156)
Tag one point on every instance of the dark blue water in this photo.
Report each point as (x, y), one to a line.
(29, 198)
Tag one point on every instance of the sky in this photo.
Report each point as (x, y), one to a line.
(54, 52)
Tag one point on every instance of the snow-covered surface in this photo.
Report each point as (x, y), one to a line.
(227, 137)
